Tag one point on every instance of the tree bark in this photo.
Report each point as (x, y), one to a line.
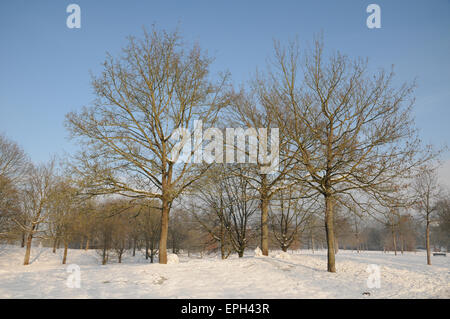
(402, 242)
(26, 260)
(152, 253)
(264, 217)
(164, 231)
(104, 256)
(329, 228)
(265, 226)
(54, 246)
(222, 239)
(336, 245)
(28, 249)
(66, 245)
(394, 240)
(428, 241)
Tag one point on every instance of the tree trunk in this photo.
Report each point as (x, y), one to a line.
(66, 245)
(336, 245)
(264, 218)
(329, 229)
(54, 246)
(87, 244)
(402, 242)
(104, 256)
(164, 231)
(264, 227)
(152, 254)
(134, 247)
(357, 243)
(22, 244)
(394, 240)
(428, 241)
(222, 239)
(26, 260)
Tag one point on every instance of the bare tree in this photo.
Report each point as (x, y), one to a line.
(13, 161)
(150, 227)
(9, 206)
(255, 111)
(426, 189)
(208, 208)
(120, 234)
(443, 220)
(354, 130)
(229, 202)
(105, 228)
(406, 233)
(357, 232)
(85, 222)
(36, 199)
(314, 231)
(240, 204)
(13, 167)
(64, 207)
(178, 230)
(155, 88)
(289, 216)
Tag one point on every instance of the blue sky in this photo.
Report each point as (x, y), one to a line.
(44, 66)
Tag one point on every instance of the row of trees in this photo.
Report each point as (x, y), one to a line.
(219, 214)
(346, 141)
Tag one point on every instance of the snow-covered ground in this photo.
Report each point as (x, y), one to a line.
(299, 274)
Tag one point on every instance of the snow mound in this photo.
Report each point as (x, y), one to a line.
(172, 259)
(283, 255)
(258, 252)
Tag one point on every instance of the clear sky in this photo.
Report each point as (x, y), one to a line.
(45, 66)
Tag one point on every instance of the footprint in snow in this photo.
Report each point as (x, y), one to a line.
(160, 280)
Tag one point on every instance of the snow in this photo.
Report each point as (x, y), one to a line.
(172, 259)
(258, 252)
(298, 274)
(283, 255)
